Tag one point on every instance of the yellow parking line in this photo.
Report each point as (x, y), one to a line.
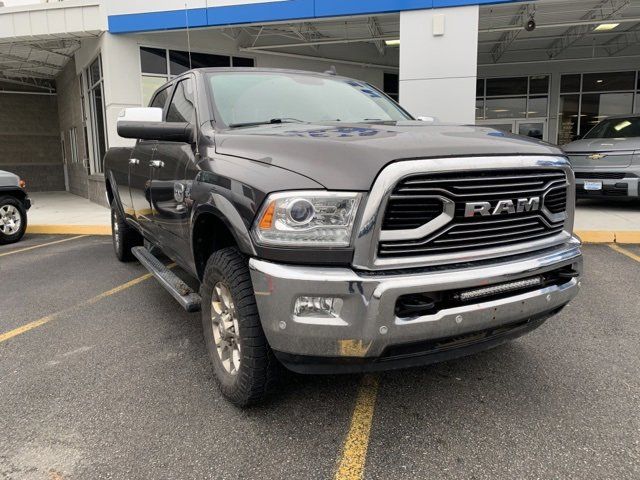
(626, 252)
(44, 320)
(354, 452)
(40, 246)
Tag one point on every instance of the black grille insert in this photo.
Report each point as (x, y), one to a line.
(479, 232)
(601, 175)
(410, 213)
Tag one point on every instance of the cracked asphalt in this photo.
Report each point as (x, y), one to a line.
(121, 388)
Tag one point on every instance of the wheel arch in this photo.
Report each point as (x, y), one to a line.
(214, 229)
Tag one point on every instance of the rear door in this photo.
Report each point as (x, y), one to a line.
(140, 170)
(173, 172)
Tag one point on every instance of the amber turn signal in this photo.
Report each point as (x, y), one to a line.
(22, 184)
(266, 222)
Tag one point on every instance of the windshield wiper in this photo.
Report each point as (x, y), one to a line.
(273, 121)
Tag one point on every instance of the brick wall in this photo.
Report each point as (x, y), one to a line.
(30, 140)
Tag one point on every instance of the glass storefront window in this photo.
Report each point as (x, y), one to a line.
(568, 119)
(508, 97)
(539, 85)
(480, 109)
(153, 60)
(597, 96)
(506, 107)
(608, 82)
(538, 107)
(570, 83)
(506, 86)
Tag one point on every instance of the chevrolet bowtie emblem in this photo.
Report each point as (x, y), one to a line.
(597, 156)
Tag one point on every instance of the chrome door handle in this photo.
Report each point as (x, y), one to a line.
(156, 164)
(134, 161)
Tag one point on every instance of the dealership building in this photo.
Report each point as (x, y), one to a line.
(550, 69)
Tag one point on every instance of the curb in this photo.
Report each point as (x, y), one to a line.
(593, 236)
(587, 236)
(69, 229)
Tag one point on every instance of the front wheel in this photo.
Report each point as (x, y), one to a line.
(244, 365)
(13, 220)
(124, 236)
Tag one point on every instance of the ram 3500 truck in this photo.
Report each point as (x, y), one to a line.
(329, 231)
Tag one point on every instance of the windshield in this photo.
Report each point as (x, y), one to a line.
(616, 128)
(248, 98)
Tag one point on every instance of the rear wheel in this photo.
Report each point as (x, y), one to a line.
(13, 220)
(244, 365)
(124, 236)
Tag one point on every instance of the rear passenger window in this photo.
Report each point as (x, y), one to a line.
(182, 108)
(160, 100)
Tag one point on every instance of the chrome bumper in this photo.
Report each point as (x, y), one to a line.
(368, 324)
(632, 183)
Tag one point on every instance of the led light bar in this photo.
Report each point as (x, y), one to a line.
(498, 289)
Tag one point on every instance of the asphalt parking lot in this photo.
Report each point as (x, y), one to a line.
(102, 375)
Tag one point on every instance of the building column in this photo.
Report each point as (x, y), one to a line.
(439, 62)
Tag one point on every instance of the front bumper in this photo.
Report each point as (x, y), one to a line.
(626, 187)
(368, 331)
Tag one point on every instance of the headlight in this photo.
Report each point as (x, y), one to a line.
(307, 218)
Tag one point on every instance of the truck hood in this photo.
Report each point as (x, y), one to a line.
(349, 156)
(596, 145)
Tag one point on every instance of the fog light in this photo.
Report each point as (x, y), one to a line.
(325, 307)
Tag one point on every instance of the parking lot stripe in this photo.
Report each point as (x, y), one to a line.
(354, 452)
(41, 246)
(626, 252)
(44, 320)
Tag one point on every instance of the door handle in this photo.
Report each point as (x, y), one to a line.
(156, 164)
(134, 161)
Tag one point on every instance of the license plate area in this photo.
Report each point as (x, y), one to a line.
(592, 186)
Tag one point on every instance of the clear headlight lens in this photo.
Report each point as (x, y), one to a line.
(307, 218)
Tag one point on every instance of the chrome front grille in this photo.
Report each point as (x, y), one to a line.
(462, 233)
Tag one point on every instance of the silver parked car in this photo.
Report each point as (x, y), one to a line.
(14, 203)
(607, 159)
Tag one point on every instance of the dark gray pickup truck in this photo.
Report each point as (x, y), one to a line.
(329, 231)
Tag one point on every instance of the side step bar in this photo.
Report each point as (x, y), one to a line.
(186, 297)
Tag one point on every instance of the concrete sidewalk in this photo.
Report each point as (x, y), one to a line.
(62, 212)
(65, 213)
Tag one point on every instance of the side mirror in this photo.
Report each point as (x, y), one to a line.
(425, 118)
(147, 124)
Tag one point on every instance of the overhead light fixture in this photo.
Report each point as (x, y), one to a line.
(605, 27)
(392, 43)
(599, 81)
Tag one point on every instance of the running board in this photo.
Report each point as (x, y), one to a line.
(186, 297)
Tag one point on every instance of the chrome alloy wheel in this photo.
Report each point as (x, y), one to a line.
(226, 331)
(116, 230)
(10, 220)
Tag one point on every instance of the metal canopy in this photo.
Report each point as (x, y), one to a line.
(565, 29)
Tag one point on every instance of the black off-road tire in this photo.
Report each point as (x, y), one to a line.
(124, 236)
(10, 201)
(259, 369)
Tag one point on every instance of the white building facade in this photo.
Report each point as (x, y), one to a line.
(468, 61)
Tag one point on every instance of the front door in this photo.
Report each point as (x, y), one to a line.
(139, 181)
(532, 127)
(172, 174)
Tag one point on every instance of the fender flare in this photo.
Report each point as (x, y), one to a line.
(224, 210)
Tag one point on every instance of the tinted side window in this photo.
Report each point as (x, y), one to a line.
(160, 100)
(182, 108)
